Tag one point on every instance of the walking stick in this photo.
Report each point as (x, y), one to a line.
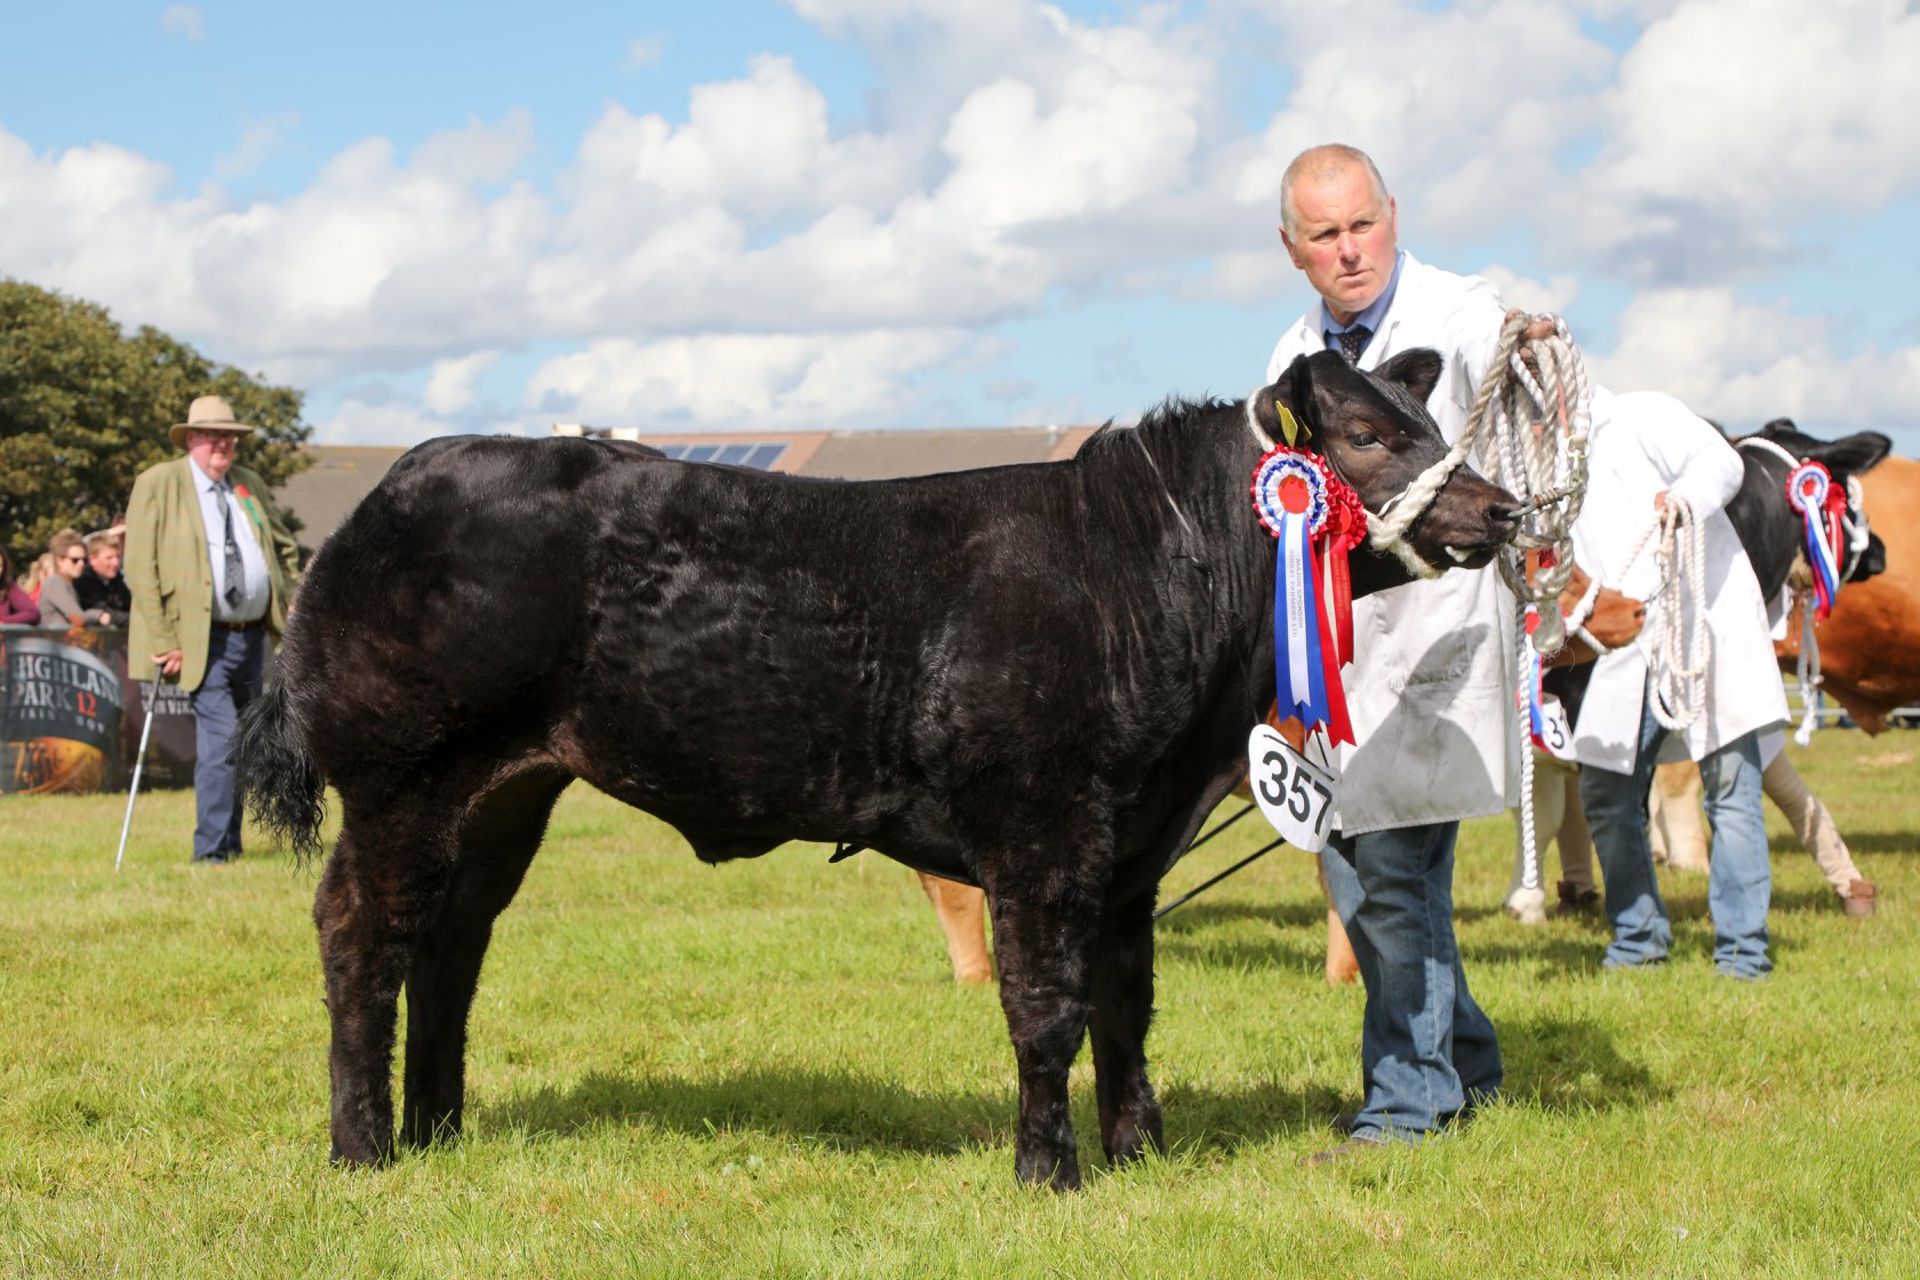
(139, 763)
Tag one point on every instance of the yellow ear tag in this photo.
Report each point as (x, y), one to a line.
(1290, 426)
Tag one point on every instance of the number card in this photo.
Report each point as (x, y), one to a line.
(1296, 794)
(1554, 729)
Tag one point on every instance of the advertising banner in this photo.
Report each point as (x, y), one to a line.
(70, 718)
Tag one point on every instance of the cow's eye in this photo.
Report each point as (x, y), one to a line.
(1363, 440)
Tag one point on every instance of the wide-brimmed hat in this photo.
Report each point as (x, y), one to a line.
(208, 413)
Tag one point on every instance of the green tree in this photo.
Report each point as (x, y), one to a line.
(85, 408)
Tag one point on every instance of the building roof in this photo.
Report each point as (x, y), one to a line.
(341, 475)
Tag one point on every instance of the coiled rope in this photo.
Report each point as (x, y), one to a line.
(1530, 419)
(1534, 407)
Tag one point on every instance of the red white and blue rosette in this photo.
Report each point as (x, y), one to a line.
(1311, 515)
(1822, 507)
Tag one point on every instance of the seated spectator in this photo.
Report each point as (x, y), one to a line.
(37, 574)
(100, 586)
(16, 606)
(59, 606)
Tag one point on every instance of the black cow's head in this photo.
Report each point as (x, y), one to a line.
(1375, 430)
(1845, 458)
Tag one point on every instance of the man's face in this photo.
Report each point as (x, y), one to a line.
(1344, 239)
(105, 561)
(212, 451)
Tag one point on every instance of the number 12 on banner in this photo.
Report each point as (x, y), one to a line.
(1296, 794)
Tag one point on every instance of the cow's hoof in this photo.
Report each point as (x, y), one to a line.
(1528, 906)
(420, 1133)
(367, 1155)
(974, 976)
(1693, 861)
(1861, 900)
(1056, 1173)
(1132, 1138)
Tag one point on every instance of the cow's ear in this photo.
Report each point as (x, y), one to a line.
(1850, 455)
(1417, 370)
(1777, 426)
(1293, 393)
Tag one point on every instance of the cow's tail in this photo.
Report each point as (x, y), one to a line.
(279, 781)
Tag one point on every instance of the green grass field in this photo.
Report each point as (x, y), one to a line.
(764, 1069)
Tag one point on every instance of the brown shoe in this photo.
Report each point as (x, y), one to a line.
(1575, 899)
(1862, 896)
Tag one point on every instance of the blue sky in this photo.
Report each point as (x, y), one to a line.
(901, 213)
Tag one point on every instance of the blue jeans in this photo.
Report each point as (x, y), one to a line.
(1740, 883)
(236, 660)
(1427, 1052)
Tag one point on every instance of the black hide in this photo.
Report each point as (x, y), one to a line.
(1039, 679)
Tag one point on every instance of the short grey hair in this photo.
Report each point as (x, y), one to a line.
(1321, 160)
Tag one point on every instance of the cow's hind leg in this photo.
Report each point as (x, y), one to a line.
(497, 842)
(380, 891)
(1045, 943)
(1122, 1010)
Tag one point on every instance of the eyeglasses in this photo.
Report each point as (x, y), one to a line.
(74, 559)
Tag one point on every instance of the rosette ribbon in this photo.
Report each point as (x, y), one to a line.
(1532, 673)
(1822, 506)
(1317, 519)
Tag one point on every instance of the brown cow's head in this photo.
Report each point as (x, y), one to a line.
(1375, 430)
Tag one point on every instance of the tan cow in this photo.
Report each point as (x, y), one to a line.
(1870, 644)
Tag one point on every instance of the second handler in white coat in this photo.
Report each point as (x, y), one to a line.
(1644, 447)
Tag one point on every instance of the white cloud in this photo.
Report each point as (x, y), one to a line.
(751, 251)
(184, 20)
(259, 142)
(741, 381)
(450, 386)
(1733, 119)
(1744, 363)
(646, 51)
(1554, 296)
(395, 423)
(1464, 109)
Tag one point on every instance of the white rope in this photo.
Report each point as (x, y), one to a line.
(1807, 672)
(1679, 645)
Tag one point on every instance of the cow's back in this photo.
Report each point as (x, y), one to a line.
(449, 602)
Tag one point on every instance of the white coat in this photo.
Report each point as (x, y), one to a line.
(1642, 443)
(1430, 687)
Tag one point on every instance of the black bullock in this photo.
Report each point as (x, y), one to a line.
(1038, 679)
(1770, 530)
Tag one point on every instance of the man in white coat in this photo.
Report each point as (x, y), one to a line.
(1645, 448)
(1431, 685)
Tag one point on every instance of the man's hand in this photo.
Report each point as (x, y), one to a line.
(1540, 327)
(169, 662)
(1660, 502)
(106, 619)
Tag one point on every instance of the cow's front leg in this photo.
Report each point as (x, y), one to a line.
(1045, 944)
(1122, 1010)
